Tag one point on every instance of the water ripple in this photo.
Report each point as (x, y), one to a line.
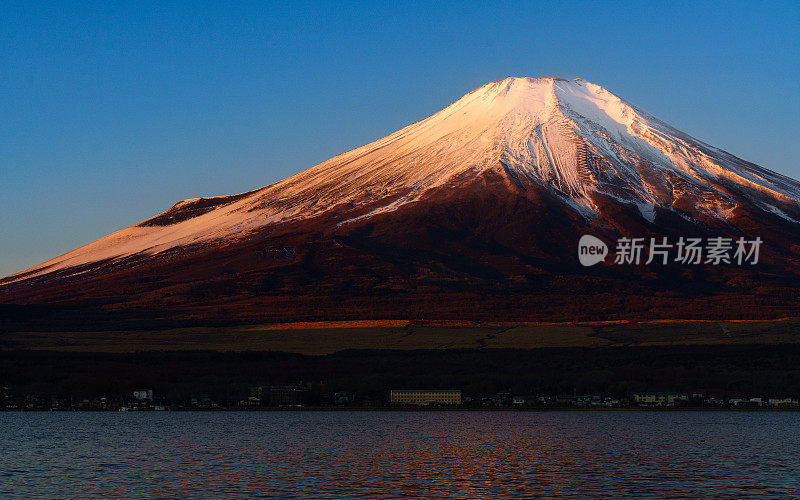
(400, 455)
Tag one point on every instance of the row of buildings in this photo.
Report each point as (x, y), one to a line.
(297, 396)
(671, 399)
(641, 399)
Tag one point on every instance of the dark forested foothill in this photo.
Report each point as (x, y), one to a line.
(177, 378)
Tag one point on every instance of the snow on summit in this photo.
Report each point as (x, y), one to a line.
(571, 137)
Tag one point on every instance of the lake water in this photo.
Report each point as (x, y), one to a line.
(399, 454)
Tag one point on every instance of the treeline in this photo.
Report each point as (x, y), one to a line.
(368, 375)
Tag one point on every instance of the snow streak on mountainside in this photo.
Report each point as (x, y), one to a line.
(570, 137)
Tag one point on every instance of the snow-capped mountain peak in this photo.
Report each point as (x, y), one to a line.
(572, 138)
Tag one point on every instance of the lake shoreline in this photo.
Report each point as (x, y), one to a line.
(311, 409)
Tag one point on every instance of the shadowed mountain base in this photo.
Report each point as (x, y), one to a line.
(323, 338)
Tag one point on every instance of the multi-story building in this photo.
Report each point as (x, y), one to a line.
(287, 395)
(783, 402)
(143, 394)
(425, 397)
(660, 398)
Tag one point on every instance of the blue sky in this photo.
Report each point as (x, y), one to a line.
(112, 113)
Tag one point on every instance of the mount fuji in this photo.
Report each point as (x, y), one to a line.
(472, 213)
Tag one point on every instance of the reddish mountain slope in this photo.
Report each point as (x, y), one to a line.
(472, 213)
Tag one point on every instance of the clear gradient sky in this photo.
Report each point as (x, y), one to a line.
(112, 113)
